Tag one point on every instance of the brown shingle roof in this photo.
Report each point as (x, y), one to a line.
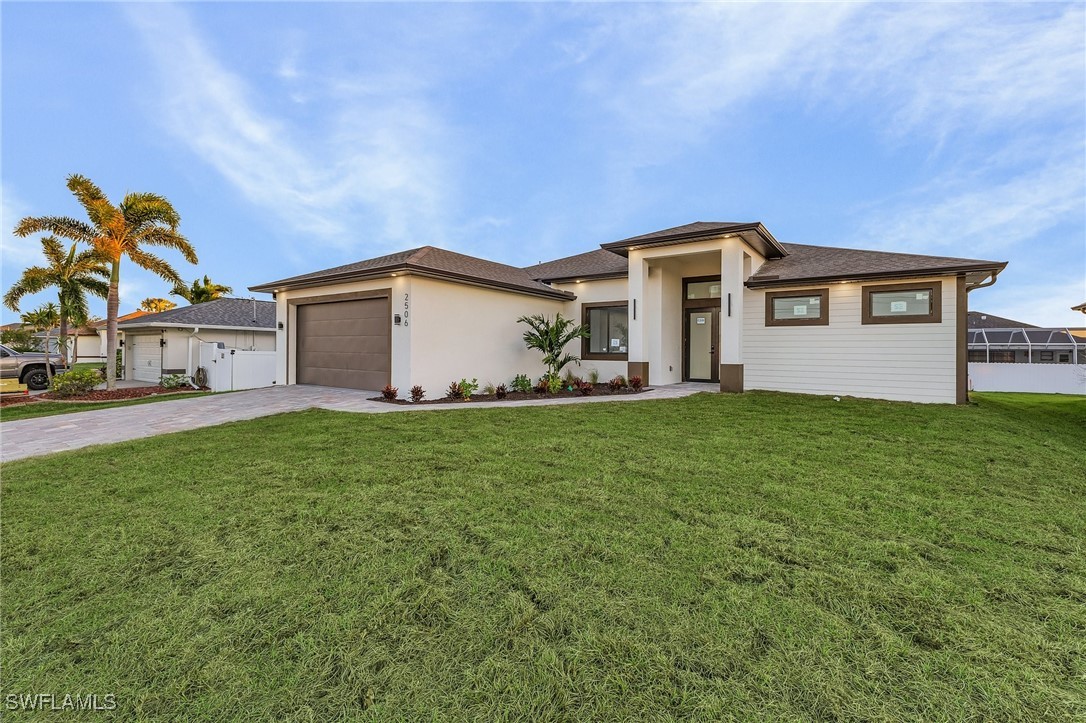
(825, 263)
(980, 320)
(591, 265)
(428, 261)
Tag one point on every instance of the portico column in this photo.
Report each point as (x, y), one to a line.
(637, 355)
(732, 275)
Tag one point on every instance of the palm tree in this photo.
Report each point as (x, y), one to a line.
(551, 338)
(44, 318)
(117, 231)
(74, 275)
(156, 305)
(198, 293)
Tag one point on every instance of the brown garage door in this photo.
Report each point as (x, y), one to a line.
(345, 344)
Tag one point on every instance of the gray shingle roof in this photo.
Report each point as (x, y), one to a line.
(980, 320)
(229, 312)
(428, 260)
(826, 263)
(593, 264)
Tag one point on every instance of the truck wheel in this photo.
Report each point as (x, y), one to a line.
(36, 379)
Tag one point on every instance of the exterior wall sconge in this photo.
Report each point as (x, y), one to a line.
(279, 325)
(162, 342)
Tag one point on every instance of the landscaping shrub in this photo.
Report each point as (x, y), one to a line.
(468, 388)
(571, 379)
(500, 391)
(488, 389)
(390, 392)
(542, 386)
(617, 383)
(77, 381)
(554, 384)
(455, 391)
(417, 393)
(594, 376)
(635, 383)
(521, 383)
(173, 381)
(585, 388)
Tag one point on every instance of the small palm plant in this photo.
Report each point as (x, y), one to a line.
(551, 338)
(44, 318)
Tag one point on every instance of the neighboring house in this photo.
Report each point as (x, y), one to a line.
(981, 320)
(1009, 356)
(168, 342)
(84, 344)
(718, 302)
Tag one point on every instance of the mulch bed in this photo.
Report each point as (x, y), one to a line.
(599, 390)
(20, 399)
(104, 395)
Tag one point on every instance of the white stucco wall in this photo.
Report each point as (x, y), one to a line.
(180, 357)
(909, 362)
(593, 292)
(460, 331)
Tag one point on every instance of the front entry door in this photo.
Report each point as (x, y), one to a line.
(702, 332)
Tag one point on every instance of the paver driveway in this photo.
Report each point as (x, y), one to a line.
(44, 435)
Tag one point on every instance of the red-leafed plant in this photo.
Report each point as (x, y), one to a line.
(635, 383)
(390, 392)
(417, 393)
(500, 391)
(617, 384)
(455, 391)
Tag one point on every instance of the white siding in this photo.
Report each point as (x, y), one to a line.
(909, 362)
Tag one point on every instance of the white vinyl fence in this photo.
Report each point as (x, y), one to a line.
(1045, 378)
(233, 369)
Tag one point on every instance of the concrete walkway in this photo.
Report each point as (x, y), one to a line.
(45, 435)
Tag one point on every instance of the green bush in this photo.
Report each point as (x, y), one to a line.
(521, 383)
(469, 388)
(173, 381)
(76, 381)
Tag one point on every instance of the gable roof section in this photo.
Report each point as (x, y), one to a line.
(425, 261)
(980, 320)
(227, 313)
(810, 264)
(754, 233)
(598, 264)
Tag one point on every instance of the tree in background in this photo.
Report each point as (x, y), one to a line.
(199, 292)
(156, 305)
(44, 318)
(73, 275)
(117, 231)
(21, 339)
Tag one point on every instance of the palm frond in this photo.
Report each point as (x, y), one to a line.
(62, 226)
(142, 210)
(170, 239)
(32, 281)
(154, 264)
(95, 203)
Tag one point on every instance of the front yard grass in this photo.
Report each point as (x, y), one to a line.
(763, 556)
(29, 410)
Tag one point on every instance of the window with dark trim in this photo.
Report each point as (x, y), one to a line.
(810, 307)
(978, 355)
(1046, 356)
(919, 303)
(608, 331)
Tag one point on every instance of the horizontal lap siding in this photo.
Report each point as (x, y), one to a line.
(912, 362)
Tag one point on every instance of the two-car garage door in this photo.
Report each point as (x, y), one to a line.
(344, 343)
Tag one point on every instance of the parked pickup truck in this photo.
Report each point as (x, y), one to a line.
(28, 367)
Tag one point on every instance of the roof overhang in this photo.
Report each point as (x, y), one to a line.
(754, 235)
(585, 277)
(974, 274)
(414, 270)
(158, 326)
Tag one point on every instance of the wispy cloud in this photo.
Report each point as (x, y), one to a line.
(370, 161)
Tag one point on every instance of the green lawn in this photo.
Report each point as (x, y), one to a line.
(763, 556)
(47, 409)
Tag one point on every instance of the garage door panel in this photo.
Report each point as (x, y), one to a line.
(344, 344)
(146, 358)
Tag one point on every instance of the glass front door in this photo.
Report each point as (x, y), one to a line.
(702, 331)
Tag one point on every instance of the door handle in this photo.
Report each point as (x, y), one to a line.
(712, 349)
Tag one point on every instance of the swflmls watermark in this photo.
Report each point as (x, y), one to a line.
(60, 701)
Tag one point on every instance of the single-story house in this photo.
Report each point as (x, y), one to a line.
(725, 303)
(84, 343)
(168, 342)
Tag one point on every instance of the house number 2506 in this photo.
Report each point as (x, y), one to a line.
(406, 309)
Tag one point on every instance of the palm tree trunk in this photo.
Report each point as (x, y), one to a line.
(63, 339)
(48, 366)
(112, 302)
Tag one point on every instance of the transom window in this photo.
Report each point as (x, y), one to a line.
(703, 289)
(608, 330)
(903, 303)
(809, 307)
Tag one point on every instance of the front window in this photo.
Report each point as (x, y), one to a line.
(797, 308)
(608, 331)
(902, 303)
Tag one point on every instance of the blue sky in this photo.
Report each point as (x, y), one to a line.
(293, 137)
